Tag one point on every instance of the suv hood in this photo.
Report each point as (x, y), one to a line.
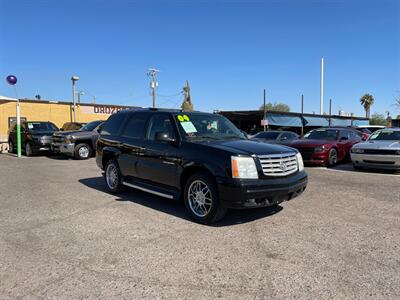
(310, 143)
(42, 133)
(65, 133)
(248, 147)
(379, 145)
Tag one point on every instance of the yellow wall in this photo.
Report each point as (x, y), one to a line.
(58, 113)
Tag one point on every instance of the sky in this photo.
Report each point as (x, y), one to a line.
(228, 50)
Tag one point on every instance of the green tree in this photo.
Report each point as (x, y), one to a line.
(378, 119)
(276, 107)
(366, 101)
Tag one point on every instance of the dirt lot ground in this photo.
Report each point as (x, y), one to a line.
(63, 236)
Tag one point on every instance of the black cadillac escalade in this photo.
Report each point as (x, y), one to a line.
(199, 157)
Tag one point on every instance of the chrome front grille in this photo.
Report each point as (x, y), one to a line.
(58, 138)
(279, 164)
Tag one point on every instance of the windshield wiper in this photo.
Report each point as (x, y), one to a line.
(205, 136)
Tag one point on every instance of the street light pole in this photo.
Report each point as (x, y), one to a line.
(74, 79)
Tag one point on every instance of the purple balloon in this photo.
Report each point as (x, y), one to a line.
(11, 79)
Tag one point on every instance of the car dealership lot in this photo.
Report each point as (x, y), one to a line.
(63, 236)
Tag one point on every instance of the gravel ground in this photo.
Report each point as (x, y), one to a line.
(63, 236)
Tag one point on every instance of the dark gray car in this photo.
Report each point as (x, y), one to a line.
(276, 137)
(80, 144)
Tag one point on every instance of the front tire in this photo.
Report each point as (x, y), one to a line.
(28, 149)
(332, 157)
(113, 177)
(82, 151)
(202, 200)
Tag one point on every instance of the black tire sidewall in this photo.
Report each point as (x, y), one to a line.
(28, 153)
(77, 147)
(329, 157)
(216, 205)
(10, 147)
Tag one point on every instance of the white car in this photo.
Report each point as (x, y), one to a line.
(380, 151)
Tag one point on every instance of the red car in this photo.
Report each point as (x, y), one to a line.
(326, 146)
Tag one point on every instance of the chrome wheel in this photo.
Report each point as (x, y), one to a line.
(112, 176)
(332, 157)
(83, 152)
(200, 198)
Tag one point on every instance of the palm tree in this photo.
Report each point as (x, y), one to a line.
(366, 101)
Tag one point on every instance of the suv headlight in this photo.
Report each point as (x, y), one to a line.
(300, 162)
(357, 150)
(68, 139)
(243, 167)
(397, 152)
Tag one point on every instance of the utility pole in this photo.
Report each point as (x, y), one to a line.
(153, 83)
(74, 79)
(265, 110)
(330, 112)
(302, 112)
(321, 96)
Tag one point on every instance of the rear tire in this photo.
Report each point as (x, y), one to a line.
(113, 177)
(202, 200)
(82, 151)
(11, 147)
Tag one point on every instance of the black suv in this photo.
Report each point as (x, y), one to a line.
(200, 157)
(35, 137)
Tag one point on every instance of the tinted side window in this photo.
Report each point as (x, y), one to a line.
(345, 134)
(135, 126)
(354, 136)
(112, 125)
(160, 123)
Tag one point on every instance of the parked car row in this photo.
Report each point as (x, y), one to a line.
(330, 145)
(36, 137)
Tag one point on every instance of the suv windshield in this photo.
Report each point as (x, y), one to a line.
(385, 135)
(90, 126)
(322, 134)
(41, 126)
(207, 126)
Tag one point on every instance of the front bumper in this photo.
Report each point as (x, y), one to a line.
(376, 161)
(41, 145)
(315, 158)
(260, 192)
(65, 148)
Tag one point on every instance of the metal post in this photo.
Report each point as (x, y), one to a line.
(302, 112)
(321, 98)
(330, 112)
(265, 111)
(73, 99)
(74, 79)
(18, 130)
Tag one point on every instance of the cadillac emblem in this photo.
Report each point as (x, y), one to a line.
(282, 166)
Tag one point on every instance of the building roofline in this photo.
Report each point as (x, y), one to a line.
(260, 112)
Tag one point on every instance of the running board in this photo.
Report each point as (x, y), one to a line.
(147, 190)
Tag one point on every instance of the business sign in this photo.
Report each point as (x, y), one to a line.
(264, 122)
(101, 109)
